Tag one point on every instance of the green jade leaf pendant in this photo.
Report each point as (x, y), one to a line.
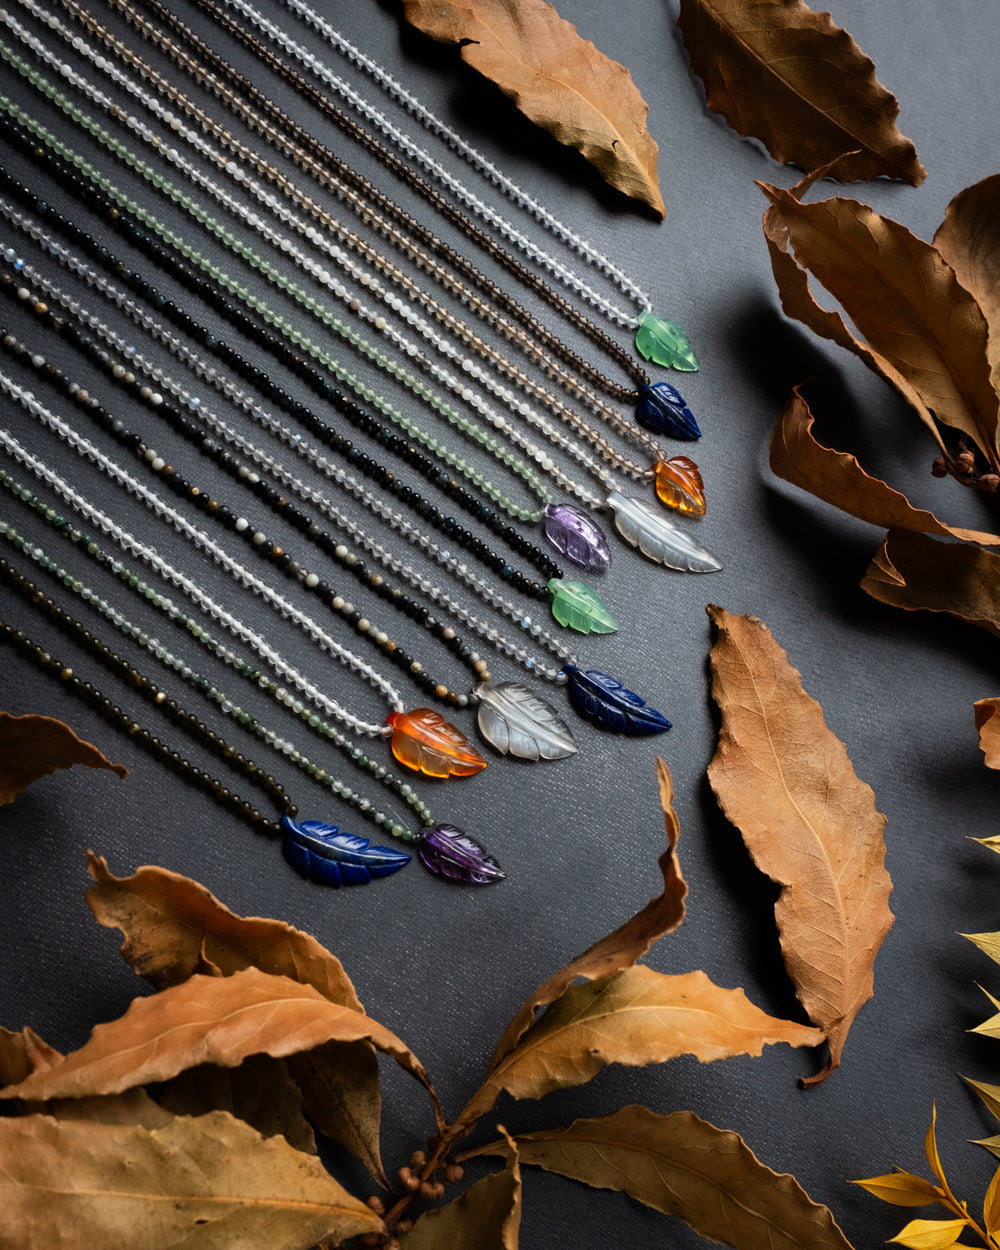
(664, 342)
(576, 606)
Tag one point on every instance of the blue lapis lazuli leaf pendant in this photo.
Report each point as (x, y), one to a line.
(661, 410)
(606, 702)
(323, 854)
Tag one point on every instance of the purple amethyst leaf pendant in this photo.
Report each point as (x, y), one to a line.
(611, 705)
(576, 536)
(455, 855)
(323, 854)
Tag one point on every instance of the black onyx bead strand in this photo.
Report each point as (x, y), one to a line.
(259, 377)
(152, 693)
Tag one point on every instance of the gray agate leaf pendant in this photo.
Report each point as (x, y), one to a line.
(519, 723)
(576, 536)
(657, 537)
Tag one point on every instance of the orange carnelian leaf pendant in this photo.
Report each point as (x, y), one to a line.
(679, 485)
(424, 740)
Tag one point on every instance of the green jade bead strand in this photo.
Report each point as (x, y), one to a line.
(309, 303)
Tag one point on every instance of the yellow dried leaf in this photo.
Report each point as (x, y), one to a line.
(559, 81)
(991, 844)
(210, 1181)
(785, 781)
(988, 943)
(798, 83)
(636, 1017)
(626, 944)
(991, 1204)
(683, 1166)
(902, 1189)
(990, 1094)
(33, 746)
(930, 1234)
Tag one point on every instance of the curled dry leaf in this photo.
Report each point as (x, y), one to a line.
(209, 1180)
(920, 328)
(172, 925)
(260, 1092)
(792, 79)
(622, 947)
(917, 573)
(969, 240)
(32, 746)
(635, 1017)
(785, 781)
(559, 81)
(682, 1165)
(837, 478)
(210, 1020)
(486, 1216)
(987, 713)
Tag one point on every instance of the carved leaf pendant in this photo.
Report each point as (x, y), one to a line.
(422, 739)
(518, 723)
(661, 410)
(322, 853)
(576, 536)
(679, 485)
(664, 342)
(611, 705)
(648, 529)
(456, 856)
(578, 607)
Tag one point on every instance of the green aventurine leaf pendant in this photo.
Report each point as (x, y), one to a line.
(578, 607)
(664, 342)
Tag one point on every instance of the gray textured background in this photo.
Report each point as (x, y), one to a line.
(445, 967)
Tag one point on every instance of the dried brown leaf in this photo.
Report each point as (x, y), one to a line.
(784, 780)
(173, 926)
(918, 573)
(559, 80)
(209, 1020)
(341, 1095)
(32, 746)
(636, 1017)
(625, 945)
(682, 1165)
(260, 1092)
(837, 478)
(920, 328)
(988, 725)
(969, 240)
(486, 1216)
(24, 1053)
(794, 80)
(210, 1181)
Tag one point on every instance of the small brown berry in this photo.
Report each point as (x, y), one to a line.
(940, 467)
(453, 1173)
(376, 1204)
(403, 1174)
(989, 482)
(404, 1226)
(418, 1159)
(965, 462)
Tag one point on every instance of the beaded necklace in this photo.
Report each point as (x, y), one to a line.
(595, 260)
(194, 406)
(234, 243)
(420, 738)
(317, 271)
(244, 89)
(319, 851)
(638, 522)
(319, 240)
